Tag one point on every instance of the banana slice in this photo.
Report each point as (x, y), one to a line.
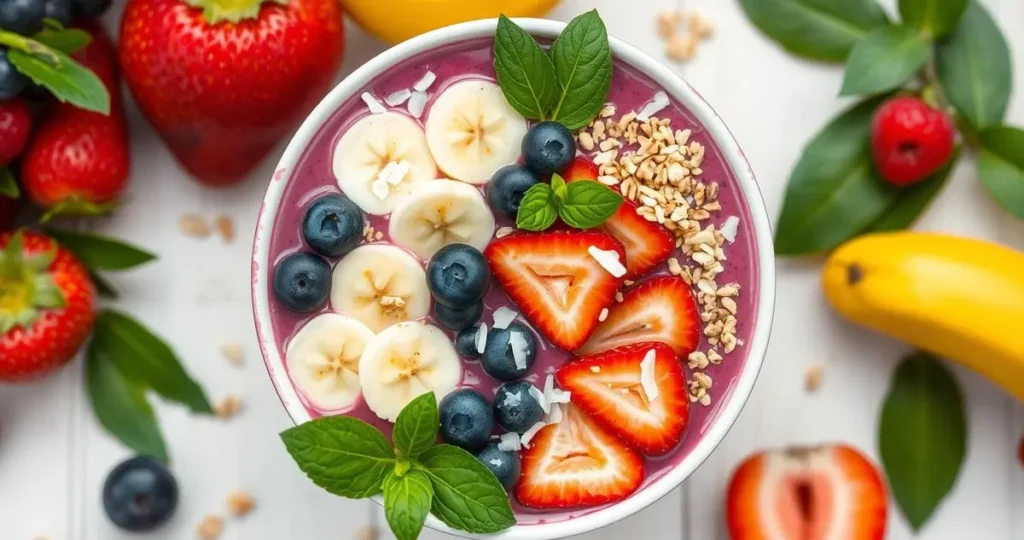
(442, 212)
(380, 285)
(380, 159)
(473, 131)
(405, 361)
(323, 360)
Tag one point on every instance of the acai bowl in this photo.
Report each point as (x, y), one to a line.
(590, 340)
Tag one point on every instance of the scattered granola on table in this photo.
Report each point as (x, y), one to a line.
(228, 407)
(210, 528)
(240, 503)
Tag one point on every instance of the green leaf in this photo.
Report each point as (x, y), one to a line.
(588, 204)
(885, 60)
(416, 426)
(8, 184)
(103, 287)
(935, 18)
(341, 454)
(524, 71)
(47, 293)
(583, 63)
(558, 187)
(101, 253)
(1001, 167)
(144, 357)
(922, 436)
(467, 496)
(407, 502)
(815, 29)
(67, 80)
(914, 200)
(538, 209)
(77, 206)
(974, 68)
(67, 41)
(120, 404)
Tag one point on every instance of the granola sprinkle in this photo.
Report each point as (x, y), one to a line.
(210, 528)
(240, 503)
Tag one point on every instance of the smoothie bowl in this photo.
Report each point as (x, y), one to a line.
(557, 264)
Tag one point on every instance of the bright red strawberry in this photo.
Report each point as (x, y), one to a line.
(830, 492)
(910, 140)
(46, 306)
(609, 387)
(647, 243)
(224, 84)
(576, 463)
(15, 126)
(661, 309)
(556, 283)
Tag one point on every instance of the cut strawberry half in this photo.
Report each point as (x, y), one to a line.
(831, 493)
(645, 403)
(556, 283)
(577, 463)
(647, 243)
(659, 310)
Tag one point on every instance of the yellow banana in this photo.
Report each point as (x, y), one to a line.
(958, 298)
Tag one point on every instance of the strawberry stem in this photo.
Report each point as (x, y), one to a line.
(230, 11)
(29, 46)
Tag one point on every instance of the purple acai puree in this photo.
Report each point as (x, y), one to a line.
(630, 90)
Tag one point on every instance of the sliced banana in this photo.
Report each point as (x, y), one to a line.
(442, 212)
(323, 360)
(380, 285)
(473, 131)
(380, 159)
(405, 361)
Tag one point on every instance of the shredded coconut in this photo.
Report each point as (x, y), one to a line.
(503, 317)
(647, 380)
(556, 414)
(380, 188)
(417, 103)
(394, 172)
(609, 260)
(371, 102)
(530, 433)
(545, 405)
(512, 400)
(425, 81)
(481, 338)
(654, 106)
(519, 349)
(549, 390)
(560, 396)
(730, 228)
(509, 442)
(395, 99)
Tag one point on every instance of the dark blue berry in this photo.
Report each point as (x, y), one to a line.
(90, 8)
(12, 81)
(458, 275)
(302, 282)
(466, 419)
(140, 494)
(458, 318)
(515, 408)
(36, 92)
(58, 10)
(465, 342)
(505, 465)
(333, 225)
(506, 189)
(23, 17)
(498, 360)
(548, 148)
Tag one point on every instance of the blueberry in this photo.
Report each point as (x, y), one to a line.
(498, 360)
(23, 17)
(515, 408)
(12, 82)
(458, 318)
(506, 189)
(36, 92)
(58, 10)
(466, 419)
(90, 8)
(458, 275)
(505, 465)
(465, 342)
(302, 282)
(140, 494)
(548, 148)
(333, 225)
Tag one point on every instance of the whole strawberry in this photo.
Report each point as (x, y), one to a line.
(15, 125)
(46, 306)
(910, 140)
(224, 82)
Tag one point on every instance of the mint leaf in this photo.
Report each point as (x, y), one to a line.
(467, 496)
(884, 60)
(815, 29)
(935, 18)
(8, 184)
(416, 427)
(914, 200)
(1001, 167)
(144, 357)
(407, 500)
(103, 287)
(524, 71)
(583, 64)
(588, 204)
(538, 210)
(67, 41)
(558, 187)
(100, 253)
(341, 454)
(67, 80)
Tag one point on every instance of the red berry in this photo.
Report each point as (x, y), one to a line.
(910, 140)
(15, 125)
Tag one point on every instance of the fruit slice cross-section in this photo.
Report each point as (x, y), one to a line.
(380, 285)
(323, 360)
(441, 212)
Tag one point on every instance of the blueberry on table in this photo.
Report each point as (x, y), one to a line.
(23, 17)
(12, 81)
(504, 464)
(90, 8)
(333, 225)
(504, 347)
(458, 275)
(302, 282)
(548, 148)
(506, 189)
(515, 408)
(58, 10)
(466, 419)
(140, 494)
(458, 318)
(465, 342)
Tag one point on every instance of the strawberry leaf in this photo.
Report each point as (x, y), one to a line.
(101, 253)
(67, 41)
(47, 293)
(76, 206)
(8, 184)
(66, 79)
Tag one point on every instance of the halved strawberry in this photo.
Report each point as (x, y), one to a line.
(647, 243)
(608, 387)
(660, 310)
(576, 463)
(556, 283)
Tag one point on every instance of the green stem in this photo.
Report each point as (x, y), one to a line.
(933, 89)
(28, 46)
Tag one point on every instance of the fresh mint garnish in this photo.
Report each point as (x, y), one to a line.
(67, 41)
(558, 186)
(538, 209)
(467, 496)
(407, 501)
(66, 79)
(343, 455)
(416, 427)
(524, 71)
(583, 205)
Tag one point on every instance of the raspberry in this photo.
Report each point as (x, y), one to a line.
(910, 140)
(15, 124)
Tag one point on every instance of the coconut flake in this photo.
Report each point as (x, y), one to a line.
(555, 416)
(595, 369)
(560, 396)
(509, 442)
(519, 349)
(371, 102)
(647, 381)
(425, 81)
(654, 106)
(512, 400)
(417, 103)
(394, 172)
(481, 338)
(730, 228)
(380, 188)
(503, 317)
(545, 405)
(399, 97)
(609, 260)
(530, 433)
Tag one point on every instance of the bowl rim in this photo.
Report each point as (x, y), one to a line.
(671, 83)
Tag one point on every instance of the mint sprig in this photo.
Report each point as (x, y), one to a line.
(47, 64)
(583, 204)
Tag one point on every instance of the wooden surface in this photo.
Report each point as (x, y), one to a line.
(53, 457)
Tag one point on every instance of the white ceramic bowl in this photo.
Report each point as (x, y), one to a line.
(674, 86)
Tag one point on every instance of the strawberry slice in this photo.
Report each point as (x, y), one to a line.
(576, 463)
(647, 243)
(556, 283)
(609, 387)
(659, 310)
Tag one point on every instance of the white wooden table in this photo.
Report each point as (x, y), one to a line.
(53, 456)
